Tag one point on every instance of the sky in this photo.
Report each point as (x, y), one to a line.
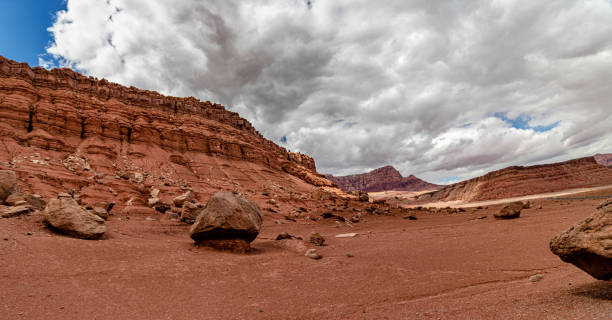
(445, 90)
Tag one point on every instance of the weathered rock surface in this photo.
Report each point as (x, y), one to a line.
(61, 130)
(227, 217)
(190, 211)
(510, 211)
(519, 181)
(588, 244)
(316, 239)
(382, 179)
(8, 184)
(9, 212)
(66, 216)
(180, 200)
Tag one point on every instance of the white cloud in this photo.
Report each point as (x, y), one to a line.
(360, 84)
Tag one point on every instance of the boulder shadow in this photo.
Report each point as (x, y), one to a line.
(600, 290)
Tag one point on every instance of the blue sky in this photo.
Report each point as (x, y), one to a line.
(23, 28)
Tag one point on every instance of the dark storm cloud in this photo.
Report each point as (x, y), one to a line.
(405, 77)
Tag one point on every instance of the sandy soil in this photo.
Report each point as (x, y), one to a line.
(437, 267)
(462, 204)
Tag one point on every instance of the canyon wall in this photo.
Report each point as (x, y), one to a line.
(52, 118)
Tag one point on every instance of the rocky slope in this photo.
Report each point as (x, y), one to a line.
(382, 179)
(604, 159)
(60, 130)
(519, 181)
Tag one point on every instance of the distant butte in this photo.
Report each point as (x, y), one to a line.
(386, 178)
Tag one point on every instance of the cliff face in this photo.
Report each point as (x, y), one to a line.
(63, 114)
(382, 179)
(519, 181)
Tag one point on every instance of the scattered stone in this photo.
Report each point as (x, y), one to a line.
(328, 215)
(510, 211)
(152, 201)
(100, 212)
(29, 233)
(349, 255)
(108, 206)
(540, 207)
(283, 235)
(180, 200)
(8, 184)
(66, 216)
(9, 212)
(227, 216)
(173, 215)
(410, 217)
(313, 254)
(36, 201)
(190, 212)
(587, 244)
(271, 202)
(149, 219)
(154, 193)
(161, 207)
(316, 239)
(355, 219)
(346, 235)
(536, 278)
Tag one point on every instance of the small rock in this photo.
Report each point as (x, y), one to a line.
(355, 219)
(536, 278)
(180, 200)
(283, 235)
(152, 201)
(346, 235)
(410, 217)
(9, 212)
(350, 255)
(149, 219)
(29, 233)
(316, 239)
(313, 254)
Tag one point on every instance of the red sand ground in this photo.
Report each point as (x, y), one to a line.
(438, 267)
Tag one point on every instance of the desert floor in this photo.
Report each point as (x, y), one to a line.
(437, 267)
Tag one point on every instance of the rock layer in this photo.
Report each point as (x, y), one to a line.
(382, 179)
(588, 244)
(519, 181)
(60, 130)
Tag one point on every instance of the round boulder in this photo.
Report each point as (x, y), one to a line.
(66, 216)
(510, 211)
(227, 217)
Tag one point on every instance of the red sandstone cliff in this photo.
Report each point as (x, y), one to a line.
(382, 179)
(519, 181)
(52, 118)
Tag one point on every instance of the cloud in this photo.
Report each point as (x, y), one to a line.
(445, 90)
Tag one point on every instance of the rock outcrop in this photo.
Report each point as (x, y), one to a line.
(588, 244)
(227, 217)
(382, 179)
(66, 216)
(61, 130)
(520, 181)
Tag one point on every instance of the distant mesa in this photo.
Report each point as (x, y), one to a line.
(519, 181)
(386, 178)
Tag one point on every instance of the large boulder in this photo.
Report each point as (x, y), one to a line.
(8, 184)
(588, 244)
(66, 216)
(227, 217)
(510, 211)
